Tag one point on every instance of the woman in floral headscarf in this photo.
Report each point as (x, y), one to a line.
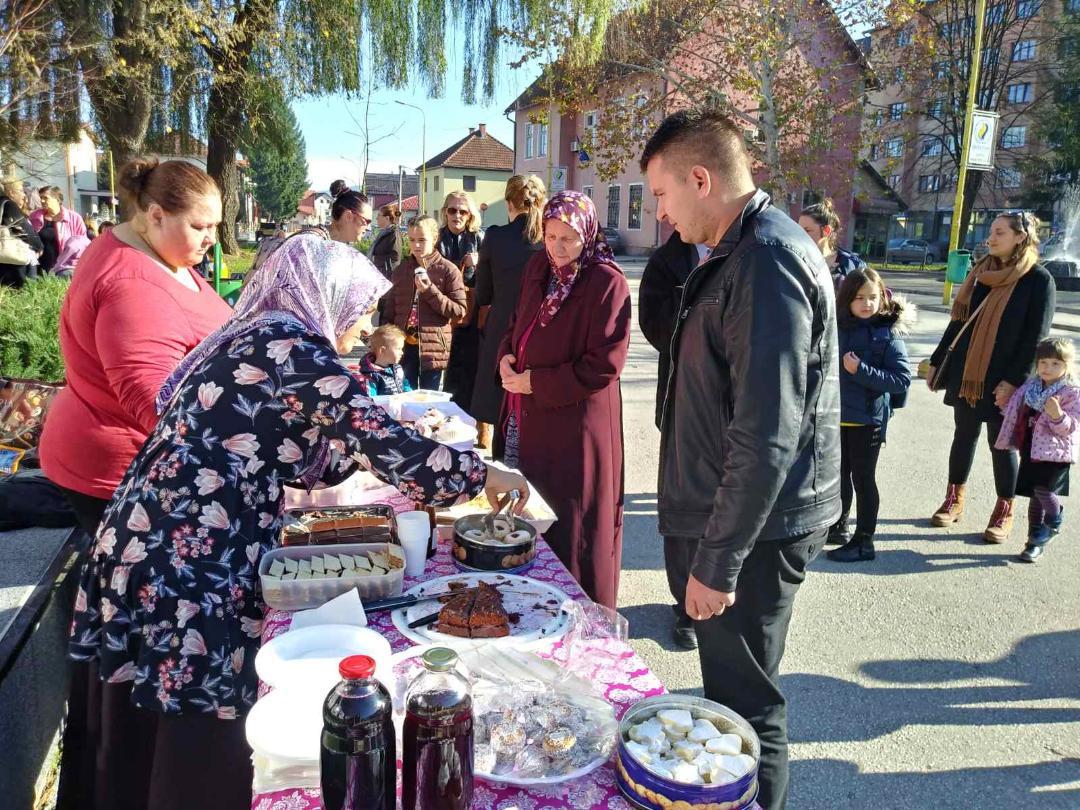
(560, 365)
(168, 613)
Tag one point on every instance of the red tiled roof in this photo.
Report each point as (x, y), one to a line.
(307, 204)
(477, 150)
(410, 204)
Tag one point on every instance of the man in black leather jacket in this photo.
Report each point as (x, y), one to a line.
(750, 451)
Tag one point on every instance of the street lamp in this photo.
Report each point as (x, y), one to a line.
(423, 154)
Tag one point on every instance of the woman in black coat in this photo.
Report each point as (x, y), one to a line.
(459, 241)
(12, 216)
(506, 250)
(1005, 308)
(385, 251)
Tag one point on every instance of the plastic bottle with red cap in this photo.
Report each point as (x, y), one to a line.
(358, 766)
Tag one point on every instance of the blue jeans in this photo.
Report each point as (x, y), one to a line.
(429, 380)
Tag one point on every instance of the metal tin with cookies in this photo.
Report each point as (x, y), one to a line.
(512, 545)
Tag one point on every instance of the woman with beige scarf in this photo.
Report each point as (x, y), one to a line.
(1004, 308)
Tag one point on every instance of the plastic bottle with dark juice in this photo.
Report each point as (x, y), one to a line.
(358, 761)
(437, 761)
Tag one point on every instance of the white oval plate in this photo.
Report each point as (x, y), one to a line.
(286, 725)
(308, 659)
(521, 596)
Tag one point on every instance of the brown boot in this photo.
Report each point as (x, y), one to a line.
(952, 508)
(1001, 521)
(483, 435)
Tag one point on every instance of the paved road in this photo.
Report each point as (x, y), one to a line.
(943, 674)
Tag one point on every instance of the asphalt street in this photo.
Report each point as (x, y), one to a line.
(943, 674)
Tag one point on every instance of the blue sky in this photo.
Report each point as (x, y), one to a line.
(333, 152)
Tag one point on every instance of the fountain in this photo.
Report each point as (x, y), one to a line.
(1062, 256)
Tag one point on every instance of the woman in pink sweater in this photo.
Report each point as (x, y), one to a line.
(134, 309)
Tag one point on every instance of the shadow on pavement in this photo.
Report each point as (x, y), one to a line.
(918, 693)
(896, 562)
(1044, 785)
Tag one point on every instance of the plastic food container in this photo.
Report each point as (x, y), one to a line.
(320, 525)
(301, 594)
(650, 790)
(479, 555)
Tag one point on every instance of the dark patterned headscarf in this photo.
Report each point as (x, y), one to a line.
(577, 211)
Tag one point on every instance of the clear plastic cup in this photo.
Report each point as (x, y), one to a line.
(414, 534)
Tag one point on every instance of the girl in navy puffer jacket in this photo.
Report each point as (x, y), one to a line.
(874, 379)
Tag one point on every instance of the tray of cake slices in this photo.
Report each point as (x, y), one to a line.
(301, 577)
(372, 523)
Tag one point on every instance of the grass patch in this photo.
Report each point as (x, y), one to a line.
(240, 263)
(893, 267)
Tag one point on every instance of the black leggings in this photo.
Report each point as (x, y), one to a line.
(859, 450)
(966, 438)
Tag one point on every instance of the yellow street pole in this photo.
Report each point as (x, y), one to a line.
(969, 114)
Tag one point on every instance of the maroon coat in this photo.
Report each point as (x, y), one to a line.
(571, 435)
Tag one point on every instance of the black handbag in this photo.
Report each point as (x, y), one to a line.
(937, 375)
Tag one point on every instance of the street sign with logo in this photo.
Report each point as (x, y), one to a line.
(983, 140)
(558, 179)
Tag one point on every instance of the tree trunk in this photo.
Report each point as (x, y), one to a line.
(223, 119)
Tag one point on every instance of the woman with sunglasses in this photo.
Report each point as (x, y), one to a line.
(1004, 308)
(350, 217)
(460, 239)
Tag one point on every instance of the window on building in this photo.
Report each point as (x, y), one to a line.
(940, 70)
(613, 200)
(898, 75)
(1019, 93)
(1026, 9)
(591, 119)
(1023, 51)
(468, 182)
(543, 140)
(879, 118)
(894, 147)
(995, 15)
(634, 206)
(587, 191)
(948, 181)
(875, 151)
(1014, 137)
(528, 140)
(991, 56)
(929, 183)
(1072, 5)
(1008, 178)
(931, 146)
(904, 38)
(936, 108)
(435, 183)
(897, 110)
(894, 181)
(988, 98)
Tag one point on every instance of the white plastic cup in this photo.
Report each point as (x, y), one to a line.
(414, 534)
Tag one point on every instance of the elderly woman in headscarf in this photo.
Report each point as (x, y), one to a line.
(168, 613)
(560, 365)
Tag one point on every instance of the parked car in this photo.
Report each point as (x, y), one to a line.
(614, 240)
(908, 251)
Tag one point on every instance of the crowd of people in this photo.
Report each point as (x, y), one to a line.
(53, 237)
(782, 363)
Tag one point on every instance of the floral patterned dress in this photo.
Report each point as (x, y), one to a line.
(169, 598)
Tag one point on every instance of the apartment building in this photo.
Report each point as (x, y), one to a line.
(914, 121)
(549, 143)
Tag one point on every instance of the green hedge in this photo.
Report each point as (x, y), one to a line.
(30, 330)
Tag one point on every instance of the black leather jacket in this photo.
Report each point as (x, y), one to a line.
(750, 444)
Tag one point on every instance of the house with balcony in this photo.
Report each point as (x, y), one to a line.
(478, 164)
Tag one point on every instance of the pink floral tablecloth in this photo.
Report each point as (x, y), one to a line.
(623, 676)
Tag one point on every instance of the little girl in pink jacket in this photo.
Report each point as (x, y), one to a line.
(1041, 421)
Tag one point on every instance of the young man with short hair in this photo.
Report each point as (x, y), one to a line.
(750, 451)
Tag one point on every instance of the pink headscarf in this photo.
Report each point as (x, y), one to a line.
(326, 286)
(576, 210)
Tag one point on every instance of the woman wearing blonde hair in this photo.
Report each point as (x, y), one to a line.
(426, 295)
(503, 256)
(460, 240)
(1004, 308)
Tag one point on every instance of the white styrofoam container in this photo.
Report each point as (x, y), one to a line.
(301, 594)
